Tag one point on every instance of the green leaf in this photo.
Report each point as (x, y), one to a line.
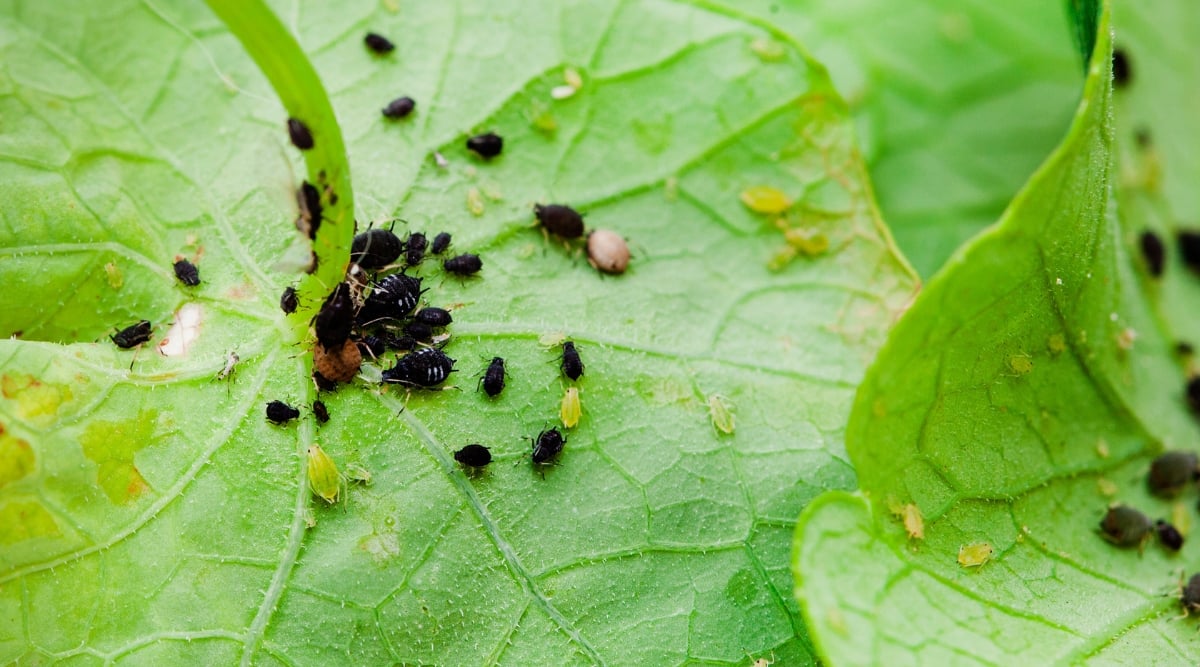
(1011, 405)
(957, 101)
(151, 514)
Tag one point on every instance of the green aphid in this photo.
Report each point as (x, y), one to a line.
(323, 476)
(721, 412)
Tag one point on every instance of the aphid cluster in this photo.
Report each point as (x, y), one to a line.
(1170, 475)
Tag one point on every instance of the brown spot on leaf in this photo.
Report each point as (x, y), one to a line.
(35, 399)
(111, 445)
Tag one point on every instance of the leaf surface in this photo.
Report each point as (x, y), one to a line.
(1028, 387)
(152, 515)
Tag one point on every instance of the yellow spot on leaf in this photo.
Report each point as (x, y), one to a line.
(34, 398)
(1106, 487)
(974, 555)
(16, 458)
(721, 413)
(20, 521)
(1125, 339)
(113, 272)
(323, 476)
(765, 199)
(571, 408)
(112, 446)
(1102, 448)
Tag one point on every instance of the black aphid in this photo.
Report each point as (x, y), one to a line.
(1169, 535)
(1120, 68)
(132, 335)
(302, 137)
(562, 221)
(288, 301)
(572, 365)
(320, 411)
(375, 249)
(1184, 348)
(465, 264)
(1142, 136)
(1189, 248)
(414, 249)
(1192, 393)
(419, 331)
(399, 107)
(372, 346)
(1171, 472)
(1189, 597)
(187, 273)
(378, 43)
(548, 445)
(279, 412)
(400, 342)
(486, 145)
(308, 198)
(393, 298)
(473, 456)
(440, 243)
(493, 377)
(1154, 252)
(427, 367)
(434, 317)
(1125, 527)
(336, 317)
(323, 383)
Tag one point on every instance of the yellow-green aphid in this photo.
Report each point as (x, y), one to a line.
(571, 409)
(115, 280)
(721, 412)
(323, 476)
(974, 555)
(359, 474)
(765, 199)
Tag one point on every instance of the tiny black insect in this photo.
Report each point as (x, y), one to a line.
(302, 137)
(1154, 252)
(415, 249)
(562, 221)
(493, 377)
(440, 243)
(465, 264)
(132, 335)
(308, 198)
(486, 145)
(548, 445)
(393, 298)
(323, 383)
(1172, 471)
(400, 342)
(1184, 348)
(375, 248)
(1142, 137)
(336, 317)
(473, 456)
(1120, 68)
(372, 346)
(279, 412)
(288, 301)
(1189, 248)
(1189, 597)
(1124, 526)
(426, 367)
(1192, 392)
(572, 365)
(187, 273)
(378, 43)
(1169, 535)
(320, 411)
(399, 107)
(434, 317)
(419, 331)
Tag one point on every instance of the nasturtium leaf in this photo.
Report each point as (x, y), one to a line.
(1012, 405)
(150, 513)
(957, 101)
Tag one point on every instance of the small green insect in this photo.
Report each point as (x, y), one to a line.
(571, 408)
(358, 474)
(720, 409)
(323, 476)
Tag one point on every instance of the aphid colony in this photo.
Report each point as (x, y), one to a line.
(1170, 474)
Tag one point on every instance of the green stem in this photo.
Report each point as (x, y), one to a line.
(295, 81)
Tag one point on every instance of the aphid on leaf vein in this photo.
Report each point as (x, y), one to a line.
(300, 134)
